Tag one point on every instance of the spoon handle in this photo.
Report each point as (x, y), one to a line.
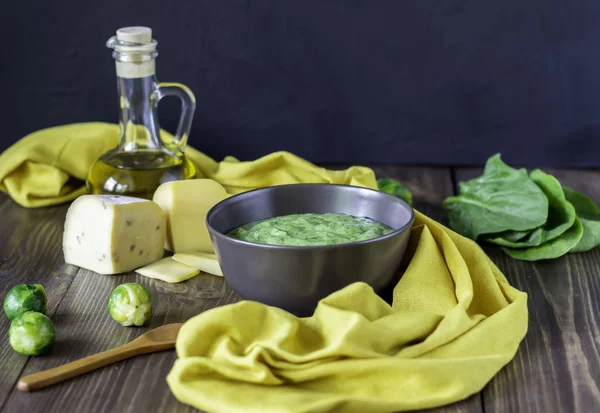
(78, 367)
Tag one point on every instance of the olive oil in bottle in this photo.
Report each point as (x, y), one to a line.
(143, 159)
(130, 174)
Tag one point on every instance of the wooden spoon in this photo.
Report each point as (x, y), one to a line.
(161, 338)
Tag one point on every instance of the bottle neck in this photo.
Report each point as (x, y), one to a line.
(138, 122)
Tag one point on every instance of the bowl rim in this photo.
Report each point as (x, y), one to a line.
(394, 233)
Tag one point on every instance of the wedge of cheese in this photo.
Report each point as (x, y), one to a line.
(112, 234)
(168, 270)
(204, 261)
(186, 204)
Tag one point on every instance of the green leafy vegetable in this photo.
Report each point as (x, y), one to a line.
(24, 297)
(561, 216)
(516, 236)
(502, 199)
(130, 304)
(554, 248)
(393, 187)
(532, 217)
(589, 214)
(31, 333)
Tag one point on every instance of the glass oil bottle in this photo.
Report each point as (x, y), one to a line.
(143, 159)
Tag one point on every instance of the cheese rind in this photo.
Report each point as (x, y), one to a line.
(168, 270)
(186, 204)
(112, 234)
(205, 262)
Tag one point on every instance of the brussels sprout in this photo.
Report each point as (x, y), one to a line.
(25, 297)
(393, 187)
(31, 333)
(130, 304)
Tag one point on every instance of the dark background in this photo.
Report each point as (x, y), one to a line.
(397, 81)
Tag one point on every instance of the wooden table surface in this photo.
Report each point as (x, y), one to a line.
(557, 368)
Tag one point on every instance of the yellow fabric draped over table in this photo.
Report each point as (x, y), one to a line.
(454, 322)
(50, 166)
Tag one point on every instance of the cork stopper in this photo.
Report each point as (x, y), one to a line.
(134, 51)
(135, 34)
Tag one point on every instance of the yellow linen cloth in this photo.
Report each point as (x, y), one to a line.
(453, 324)
(50, 166)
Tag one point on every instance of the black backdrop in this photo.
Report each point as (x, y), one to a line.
(359, 81)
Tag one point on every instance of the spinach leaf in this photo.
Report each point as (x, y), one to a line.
(561, 216)
(516, 236)
(589, 214)
(502, 199)
(551, 249)
(393, 187)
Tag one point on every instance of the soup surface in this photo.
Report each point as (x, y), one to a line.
(310, 230)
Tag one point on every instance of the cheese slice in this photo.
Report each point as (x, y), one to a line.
(186, 204)
(205, 262)
(168, 270)
(112, 234)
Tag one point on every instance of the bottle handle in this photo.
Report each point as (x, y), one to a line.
(188, 107)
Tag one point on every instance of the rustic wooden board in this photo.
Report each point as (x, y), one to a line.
(84, 327)
(429, 186)
(557, 368)
(29, 253)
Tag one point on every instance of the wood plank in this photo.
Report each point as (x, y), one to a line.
(429, 186)
(28, 254)
(557, 368)
(84, 327)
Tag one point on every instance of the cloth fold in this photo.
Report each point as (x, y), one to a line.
(453, 324)
(50, 166)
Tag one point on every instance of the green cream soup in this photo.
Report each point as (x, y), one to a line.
(310, 230)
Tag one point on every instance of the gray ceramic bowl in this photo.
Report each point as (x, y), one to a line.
(296, 278)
